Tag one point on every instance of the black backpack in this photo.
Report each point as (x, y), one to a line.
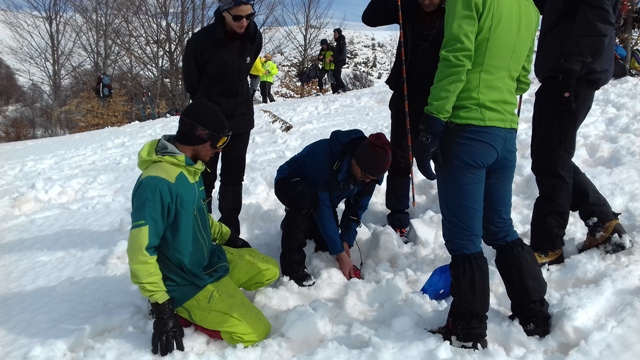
(314, 69)
(103, 87)
(309, 73)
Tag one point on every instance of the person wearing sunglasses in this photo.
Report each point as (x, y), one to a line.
(169, 220)
(345, 167)
(216, 64)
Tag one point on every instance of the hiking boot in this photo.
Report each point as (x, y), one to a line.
(301, 277)
(403, 233)
(534, 327)
(457, 342)
(551, 257)
(602, 236)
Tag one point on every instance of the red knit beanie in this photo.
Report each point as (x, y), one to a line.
(373, 156)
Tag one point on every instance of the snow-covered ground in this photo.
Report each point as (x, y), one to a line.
(64, 283)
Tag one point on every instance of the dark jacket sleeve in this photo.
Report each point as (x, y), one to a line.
(592, 32)
(540, 5)
(191, 71)
(382, 12)
(340, 55)
(354, 208)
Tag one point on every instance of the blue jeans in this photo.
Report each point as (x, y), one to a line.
(474, 187)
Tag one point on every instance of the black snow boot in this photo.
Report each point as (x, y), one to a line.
(525, 286)
(467, 321)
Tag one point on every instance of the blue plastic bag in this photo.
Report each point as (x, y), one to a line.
(438, 286)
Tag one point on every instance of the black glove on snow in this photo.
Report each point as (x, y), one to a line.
(235, 241)
(427, 147)
(564, 93)
(166, 329)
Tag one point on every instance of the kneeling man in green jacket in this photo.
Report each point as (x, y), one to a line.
(190, 266)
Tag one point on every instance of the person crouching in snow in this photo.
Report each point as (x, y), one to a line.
(346, 166)
(189, 265)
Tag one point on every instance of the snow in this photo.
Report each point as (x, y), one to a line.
(64, 281)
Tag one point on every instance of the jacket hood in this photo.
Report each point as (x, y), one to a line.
(163, 150)
(341, 142)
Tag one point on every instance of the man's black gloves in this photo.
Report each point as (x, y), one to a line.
(166, 329)
(427, 147)
(564, 93)
(237, 242)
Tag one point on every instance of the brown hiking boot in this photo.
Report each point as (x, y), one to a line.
(601, 236)
(551, 257)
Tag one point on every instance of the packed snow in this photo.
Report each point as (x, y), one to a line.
(64, 279)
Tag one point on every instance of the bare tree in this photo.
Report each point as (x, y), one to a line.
(10, 91)
(303, 22)
(267, 12)
(154, 37)
(45, 48)
(97, 25)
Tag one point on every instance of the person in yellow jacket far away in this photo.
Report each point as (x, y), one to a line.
(266, 79)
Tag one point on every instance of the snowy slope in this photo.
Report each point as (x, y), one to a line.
(64, 282)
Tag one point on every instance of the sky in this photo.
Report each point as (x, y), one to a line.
(64, 280)
(351, 9)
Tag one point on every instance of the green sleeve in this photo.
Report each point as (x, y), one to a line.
(148, 220)
(523, 82)
(456, 56)
(219, 232)
(274, 69)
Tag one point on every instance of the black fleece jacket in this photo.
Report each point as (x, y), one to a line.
(423, 34)
(215, 67)
(577, 38)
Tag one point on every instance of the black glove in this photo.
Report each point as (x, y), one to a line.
(166, 329)
(564, 92)
(427, 147)
(235, 241)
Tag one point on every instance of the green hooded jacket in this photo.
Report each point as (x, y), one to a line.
(485, 61)
(174, 244)
(270, 70)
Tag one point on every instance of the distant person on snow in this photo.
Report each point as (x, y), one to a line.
(188, 265)
(103, 88)
(325, 56)
(346, 166)
(339, 61)
(423, 28)
(254, 77)
(216, 63)
(266, 79)
(574, 58)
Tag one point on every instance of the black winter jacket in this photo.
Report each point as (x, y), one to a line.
(423, 34)
(340, 52)
(215, 67)
(577, 38)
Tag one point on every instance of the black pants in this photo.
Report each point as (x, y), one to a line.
(298, 224)
(265, 91)
(337, 77)
(398, 179)
(562, 186)
(233, 164)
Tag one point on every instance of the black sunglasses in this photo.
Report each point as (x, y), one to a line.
(238, 18)
(217, 141)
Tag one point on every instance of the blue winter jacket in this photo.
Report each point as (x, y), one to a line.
(325, 165)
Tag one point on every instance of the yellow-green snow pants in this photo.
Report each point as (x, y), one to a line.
(223, 306)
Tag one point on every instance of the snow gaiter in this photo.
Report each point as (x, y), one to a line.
(525, 286)
(467, 318)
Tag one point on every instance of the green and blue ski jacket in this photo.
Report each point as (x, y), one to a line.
(174, 244)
